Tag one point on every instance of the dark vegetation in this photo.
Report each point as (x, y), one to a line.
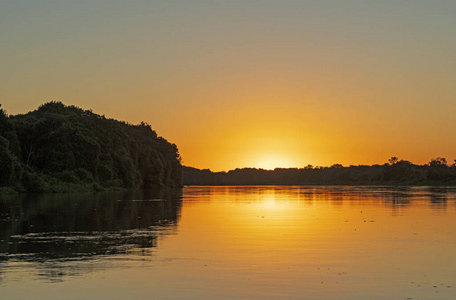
(395, 172)
(59, 148)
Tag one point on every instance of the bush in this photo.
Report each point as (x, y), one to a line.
(33, 182)
(6, 163)
(105, 172)
(67, 176)
(83, 175)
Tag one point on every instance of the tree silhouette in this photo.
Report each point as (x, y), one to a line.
(63, 148)
(393, 160)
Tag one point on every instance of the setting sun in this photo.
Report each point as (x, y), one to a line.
(270, 162)
(227, 149)
(318, 78)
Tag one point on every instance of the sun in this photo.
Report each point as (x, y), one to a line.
(270, 162)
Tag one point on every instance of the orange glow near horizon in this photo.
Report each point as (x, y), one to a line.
(244, 84)
(272, 162)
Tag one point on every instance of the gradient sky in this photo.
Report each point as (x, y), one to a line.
(246, 83)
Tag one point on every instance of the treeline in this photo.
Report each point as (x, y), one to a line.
(59, 148)
(395, 172)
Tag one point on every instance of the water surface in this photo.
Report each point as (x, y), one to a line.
(231, 243)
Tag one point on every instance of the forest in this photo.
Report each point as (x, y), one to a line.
(394, 172)
(59, 148)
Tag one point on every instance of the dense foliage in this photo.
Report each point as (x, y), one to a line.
(64, 148)
(396, 172)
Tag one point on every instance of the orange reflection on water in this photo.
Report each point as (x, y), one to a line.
(324, 243)
(275, 242)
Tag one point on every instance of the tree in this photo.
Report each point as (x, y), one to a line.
(65, 147)
(393, 160)
(439, 161)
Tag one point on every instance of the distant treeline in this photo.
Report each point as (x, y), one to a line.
(60, 148)
(395, 172)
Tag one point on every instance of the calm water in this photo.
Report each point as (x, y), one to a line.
(231, 243)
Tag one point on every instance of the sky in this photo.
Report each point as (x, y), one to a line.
(246, 83)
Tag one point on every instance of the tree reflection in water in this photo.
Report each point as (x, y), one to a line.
(55, 231)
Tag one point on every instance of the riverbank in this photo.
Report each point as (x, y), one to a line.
(436, 173)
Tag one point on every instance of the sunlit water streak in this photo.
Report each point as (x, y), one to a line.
(231, 243)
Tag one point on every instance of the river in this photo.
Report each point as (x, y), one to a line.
(238, 242)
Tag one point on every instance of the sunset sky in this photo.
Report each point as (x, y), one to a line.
(246, 83)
